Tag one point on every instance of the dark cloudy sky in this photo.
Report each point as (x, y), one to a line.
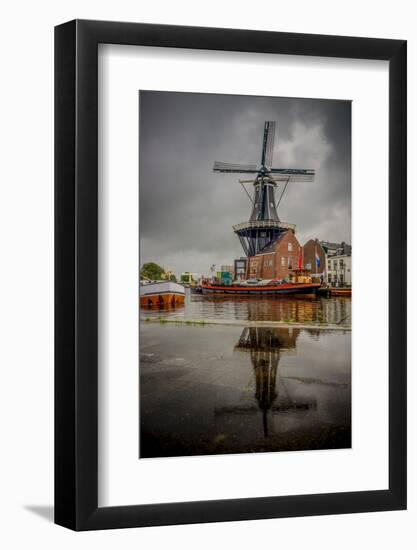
(187, 211)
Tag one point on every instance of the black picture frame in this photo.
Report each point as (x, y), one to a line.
(76, 272)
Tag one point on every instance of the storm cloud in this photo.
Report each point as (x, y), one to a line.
(187, 211)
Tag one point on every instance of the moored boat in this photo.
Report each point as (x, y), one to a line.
(341, 292)
(195, 289)
(161, 294)
(271, 289)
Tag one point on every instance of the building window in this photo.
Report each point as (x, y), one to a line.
(289, 247)
(283, 261)
(289, 262)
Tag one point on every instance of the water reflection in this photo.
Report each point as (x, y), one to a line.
(227, 390)
(335, 310)
(265, 346)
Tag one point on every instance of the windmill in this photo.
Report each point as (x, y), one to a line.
(264, 225)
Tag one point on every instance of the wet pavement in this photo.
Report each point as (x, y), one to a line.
(218, 389)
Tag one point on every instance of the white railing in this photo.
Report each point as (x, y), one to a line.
(263, 224)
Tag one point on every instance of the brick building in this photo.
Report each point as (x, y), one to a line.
(334, 264)
(310, 249)
(277, 259)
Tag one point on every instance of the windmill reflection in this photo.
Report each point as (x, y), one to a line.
(265, 346)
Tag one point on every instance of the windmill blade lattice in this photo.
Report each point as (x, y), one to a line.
(268, 143)
(235, 168)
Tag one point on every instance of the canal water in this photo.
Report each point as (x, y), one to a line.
(228, 389)
(312, 309)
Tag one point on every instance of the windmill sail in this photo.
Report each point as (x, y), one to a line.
(235, 168)
(292, 176)
(268, 143)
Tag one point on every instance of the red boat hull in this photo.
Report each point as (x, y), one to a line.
(341, 292)
(307, 288)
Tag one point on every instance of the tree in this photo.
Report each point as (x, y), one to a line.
(152, 271)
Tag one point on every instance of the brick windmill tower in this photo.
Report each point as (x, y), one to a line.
(264, 225)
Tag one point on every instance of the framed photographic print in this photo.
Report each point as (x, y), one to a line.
(230, 275)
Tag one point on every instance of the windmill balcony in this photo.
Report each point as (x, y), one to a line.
(263, 224)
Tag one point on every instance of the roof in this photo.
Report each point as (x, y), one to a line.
(342, 249)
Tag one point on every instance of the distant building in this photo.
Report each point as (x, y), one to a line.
(277, 259)
(338, 263)
(331, 261)
(221, 274)
(240, 268)
(189, 278)
(339, 270)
